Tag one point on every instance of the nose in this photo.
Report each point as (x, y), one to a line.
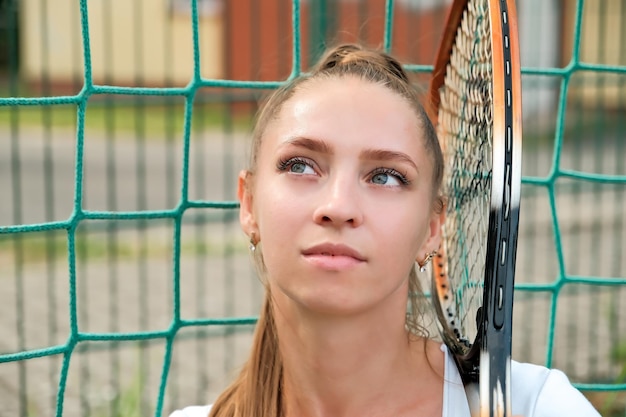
(339, 204)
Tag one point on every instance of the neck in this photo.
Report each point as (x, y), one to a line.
(349, 366)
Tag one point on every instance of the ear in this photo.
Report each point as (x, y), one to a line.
(247, 219)
(433, 241)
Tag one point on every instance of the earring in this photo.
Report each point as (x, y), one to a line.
(252, 245)
(428, 258)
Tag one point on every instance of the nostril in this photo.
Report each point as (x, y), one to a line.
(336, 216)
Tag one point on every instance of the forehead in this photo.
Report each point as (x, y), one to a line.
(349, 105)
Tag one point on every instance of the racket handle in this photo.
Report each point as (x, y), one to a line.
(473, 398)
(472, 393)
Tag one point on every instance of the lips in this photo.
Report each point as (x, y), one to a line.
(330, 249)
(333, 257)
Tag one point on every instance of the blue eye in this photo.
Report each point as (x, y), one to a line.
(296, 166)
(388, 177)
(384, 179)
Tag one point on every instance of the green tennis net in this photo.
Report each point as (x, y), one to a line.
(126, 284)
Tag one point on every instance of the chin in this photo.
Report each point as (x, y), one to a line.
(334, 304)
(335, 295)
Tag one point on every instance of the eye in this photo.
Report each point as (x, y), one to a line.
(300, 168)
(388, 177)
(297, 166)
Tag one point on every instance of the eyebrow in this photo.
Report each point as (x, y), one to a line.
(310, 144)
(386, 155)
(321, 146)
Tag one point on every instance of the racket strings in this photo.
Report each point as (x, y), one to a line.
(465, 130)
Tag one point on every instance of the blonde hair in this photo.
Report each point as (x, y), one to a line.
(256, 392)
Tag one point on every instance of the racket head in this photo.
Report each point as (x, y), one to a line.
(475, 103)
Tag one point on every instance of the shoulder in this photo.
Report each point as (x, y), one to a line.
(536, 391)
(542, 392)
(192, 411)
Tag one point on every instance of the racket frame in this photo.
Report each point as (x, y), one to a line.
(488, 360)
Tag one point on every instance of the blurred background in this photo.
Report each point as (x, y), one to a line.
(126, 286)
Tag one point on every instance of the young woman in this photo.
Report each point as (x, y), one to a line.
(341, 201)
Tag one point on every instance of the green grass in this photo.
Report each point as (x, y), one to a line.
(128, 401)
(40, 248)
(614, 402)
(153, 118)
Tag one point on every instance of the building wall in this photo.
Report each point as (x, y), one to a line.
(259, 39)
(132, 42)
(602, 41)
(149, 42)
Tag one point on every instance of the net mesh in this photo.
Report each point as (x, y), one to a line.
(113, 305)
(465, 131)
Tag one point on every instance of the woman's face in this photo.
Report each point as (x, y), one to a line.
(341, 199)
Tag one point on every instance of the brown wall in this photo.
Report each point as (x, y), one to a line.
(258, 39)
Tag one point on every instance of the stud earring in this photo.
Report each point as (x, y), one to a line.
(253, 243)
(426, 260)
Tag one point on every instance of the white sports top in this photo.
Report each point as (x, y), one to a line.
(536, 392)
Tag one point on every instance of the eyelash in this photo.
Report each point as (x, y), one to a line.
(285, 163)
(390, 171)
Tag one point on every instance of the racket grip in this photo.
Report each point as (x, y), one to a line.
(473, 398)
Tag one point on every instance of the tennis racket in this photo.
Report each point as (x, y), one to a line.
(475, 96)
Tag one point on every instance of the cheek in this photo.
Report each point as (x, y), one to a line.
(403, 222)
(280, 218)
(278, 213)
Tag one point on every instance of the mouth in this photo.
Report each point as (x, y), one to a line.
(334, 257)
(333, 250)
